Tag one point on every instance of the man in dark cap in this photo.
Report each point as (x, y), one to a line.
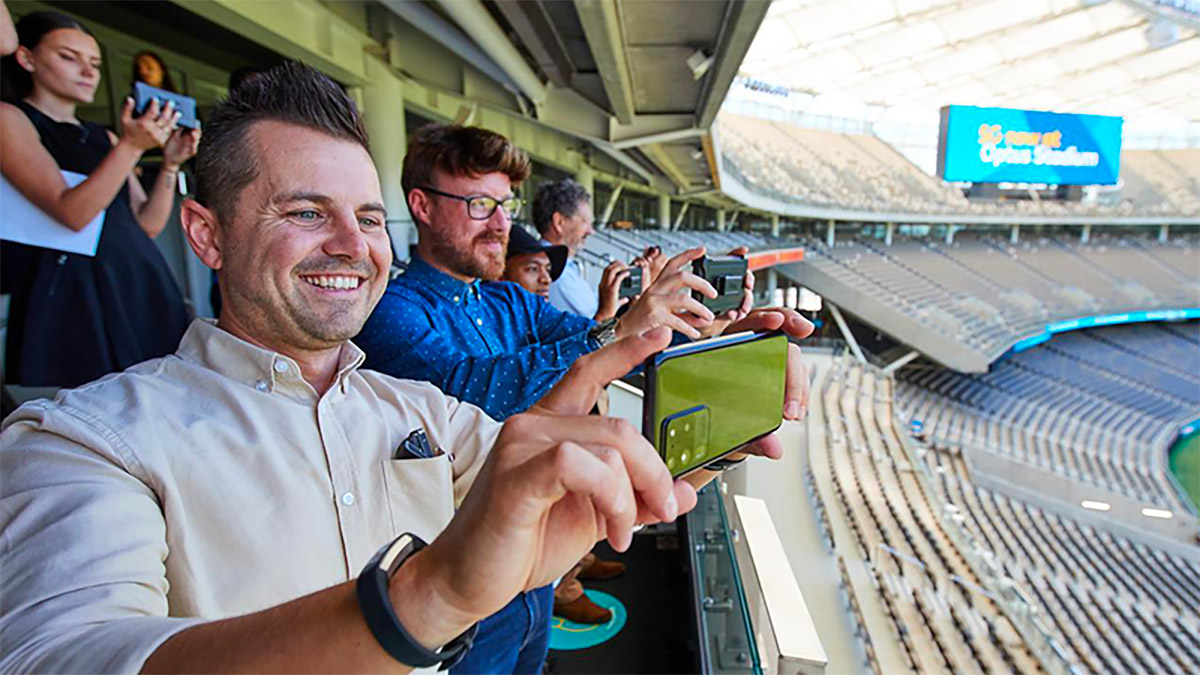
(532, 264)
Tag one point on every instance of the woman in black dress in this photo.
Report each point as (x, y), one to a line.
(74, 318)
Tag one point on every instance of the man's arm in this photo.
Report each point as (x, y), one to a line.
(83, 545)
(404, 343)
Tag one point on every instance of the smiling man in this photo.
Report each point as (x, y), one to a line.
(210, 510)
(496, 345)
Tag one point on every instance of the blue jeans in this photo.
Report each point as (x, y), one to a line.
(513, 640)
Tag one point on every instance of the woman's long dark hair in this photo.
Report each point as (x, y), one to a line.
(167, 82)
(15, 82)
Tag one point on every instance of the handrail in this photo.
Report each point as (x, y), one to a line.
(792, 643)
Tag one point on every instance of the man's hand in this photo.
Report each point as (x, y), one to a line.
(795, 392)
(669, 302)
(656, 260)
(610, 290)
(556, 482)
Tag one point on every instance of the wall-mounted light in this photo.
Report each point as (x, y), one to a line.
(699, 62)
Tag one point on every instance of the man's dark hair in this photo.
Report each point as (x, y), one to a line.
(562, 196)
(456, 150)
(292, 93)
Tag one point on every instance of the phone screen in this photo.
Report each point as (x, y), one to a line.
(707, 400)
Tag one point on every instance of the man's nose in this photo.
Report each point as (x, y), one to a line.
(346, 239)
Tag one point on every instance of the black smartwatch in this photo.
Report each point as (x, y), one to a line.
(376, 605)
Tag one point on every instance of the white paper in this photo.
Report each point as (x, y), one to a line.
(24, 223)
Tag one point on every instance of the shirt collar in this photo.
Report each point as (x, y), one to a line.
(454, 290)
(267, 371)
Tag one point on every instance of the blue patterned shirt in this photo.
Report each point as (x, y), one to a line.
(495, 345)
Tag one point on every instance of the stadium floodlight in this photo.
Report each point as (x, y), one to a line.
(1157, 513)
(1096, 506)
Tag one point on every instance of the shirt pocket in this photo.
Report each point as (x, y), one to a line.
(420, 495)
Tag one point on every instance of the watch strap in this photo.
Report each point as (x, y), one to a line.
(375, 602)
(604, 332)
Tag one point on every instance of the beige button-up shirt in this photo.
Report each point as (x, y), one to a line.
(207, 484)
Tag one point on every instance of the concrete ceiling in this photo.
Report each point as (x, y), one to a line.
(630, 59)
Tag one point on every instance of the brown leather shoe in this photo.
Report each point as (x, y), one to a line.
(601, 570)
(582, 610)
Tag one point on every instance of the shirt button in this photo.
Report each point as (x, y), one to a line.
(478, 322)
(281, 366)
(348, 499)
(456, 298)
(262, 385)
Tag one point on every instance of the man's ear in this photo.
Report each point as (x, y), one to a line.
(203, 232)
(420, 206)
(556, 223)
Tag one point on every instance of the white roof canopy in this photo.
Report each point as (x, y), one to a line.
(1107, 57)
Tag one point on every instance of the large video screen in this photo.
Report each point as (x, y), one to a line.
(1000, 145)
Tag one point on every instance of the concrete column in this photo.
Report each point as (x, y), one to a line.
(664, 212)
(772, 285)
(887, 235)
(1164, 233)
(587, 178)
(720, 220)
(950, 230)
(830, 233)
(1086, 234)
(1014, 233)
(383, 116)
(774, 224)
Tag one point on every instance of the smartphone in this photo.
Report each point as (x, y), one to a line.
(706, 399)
(143, 94)
(726, 274)
(632, 284)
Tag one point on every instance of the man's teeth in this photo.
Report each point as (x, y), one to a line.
(348, 283)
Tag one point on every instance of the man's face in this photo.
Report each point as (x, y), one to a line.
(577, 227)
(531, 271)
(459, 244)
(306, 255)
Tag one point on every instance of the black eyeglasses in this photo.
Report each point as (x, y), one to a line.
(482, 208)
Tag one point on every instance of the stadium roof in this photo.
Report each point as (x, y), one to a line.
(1136, 58)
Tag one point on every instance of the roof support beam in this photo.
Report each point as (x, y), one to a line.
(679, 217)
(656, 154)
(622, 158)
(602, 27)
(900, 363)
(663, 137)
(612, 204)
(538, 32)
(846, 334)
(475, 20)
(742, 21)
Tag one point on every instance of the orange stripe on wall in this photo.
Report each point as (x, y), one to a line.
(765, 259)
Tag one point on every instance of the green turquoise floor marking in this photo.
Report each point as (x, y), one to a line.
(566, 635)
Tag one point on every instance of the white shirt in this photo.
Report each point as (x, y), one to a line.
(207, 484)
(571, 292)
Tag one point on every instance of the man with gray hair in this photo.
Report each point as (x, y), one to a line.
(562, 214)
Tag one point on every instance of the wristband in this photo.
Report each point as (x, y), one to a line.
(376, 604)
